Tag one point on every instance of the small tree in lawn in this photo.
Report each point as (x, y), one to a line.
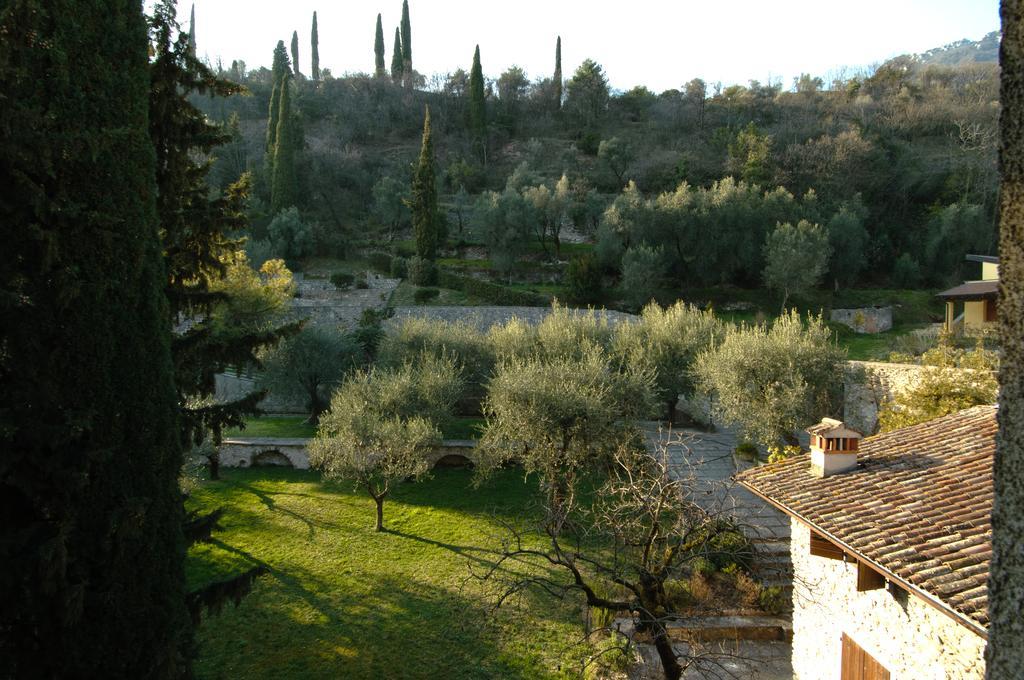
(309, 365)
(669, 340)
(795, 258)
(382, 423)
(560, 416)
(772, 380)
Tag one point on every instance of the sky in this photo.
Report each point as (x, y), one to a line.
(661, 44)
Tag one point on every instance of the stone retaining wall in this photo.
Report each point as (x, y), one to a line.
(254, 451)
(864, 319)
(868, 384)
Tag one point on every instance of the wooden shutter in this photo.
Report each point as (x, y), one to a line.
(868, 578)
(822, 547)
(858, 664)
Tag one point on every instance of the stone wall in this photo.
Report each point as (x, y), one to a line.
(250, 451)
(868, 384)
(864, 319)
(912, 639)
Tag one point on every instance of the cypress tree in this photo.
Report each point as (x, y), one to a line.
(406, 46)
(378, 50)
(279, 70)
(314, 53)
(295, 53)
(396, 59)
(92, 554)
(477, 108)
(192, 32)
(285, 185)
(558, 74)
(425, 217)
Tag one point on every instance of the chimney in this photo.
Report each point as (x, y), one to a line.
(833, 447)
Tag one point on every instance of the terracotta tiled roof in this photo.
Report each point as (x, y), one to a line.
(917, 506)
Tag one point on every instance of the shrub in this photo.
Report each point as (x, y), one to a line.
(747, 451)
(777, 454)
(361, 281)
(342, 280)
(906, 272)
(642, 271)
(771, 600)
(494, 293)
(424, 295)
(399, 267)
(677, 594)
(422, 272)
(584, 279)
(379, 261)
(730, 549)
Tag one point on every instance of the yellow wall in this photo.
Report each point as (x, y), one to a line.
(989, 271)
(974, 313)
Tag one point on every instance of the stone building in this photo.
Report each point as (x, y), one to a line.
(891, 544)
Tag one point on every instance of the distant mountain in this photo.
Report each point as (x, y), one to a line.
(964, 52)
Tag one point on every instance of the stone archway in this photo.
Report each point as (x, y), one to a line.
(271, 458)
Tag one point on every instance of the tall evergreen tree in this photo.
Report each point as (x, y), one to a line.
(284, 187)
(192, 32)
(314, 52)
(281, 68)
(425, 217)
(378, 50)
(558, 74)
(406, 46)
(295, 53)
(396, 58)
(92, 553)
(477, 108)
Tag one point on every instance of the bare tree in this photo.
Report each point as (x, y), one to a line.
(643, 531)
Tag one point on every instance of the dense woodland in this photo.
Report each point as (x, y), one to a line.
(895, 163)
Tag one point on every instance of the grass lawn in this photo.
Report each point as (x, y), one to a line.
(342, 601)
(274, 426)
(463, 428)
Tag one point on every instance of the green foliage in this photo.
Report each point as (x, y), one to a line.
(314, 39)
(772, 600)
(749, 155)
(295, 53)
(284, 186)
(954, 379)
(422, 272)
(93, 547)
(503, 221)
(378, 50)
(391, 203)
(747, 451)
(399, 267)
(795, 258)
(291, 237)
(587, 95)
(668, 341)
(617, 157)
(343, 280)
(906, 272)
(426, 220)
(560, 415)
(643, 269)
(487, 291)
(425, 295)
(379, 261)
(849, 242)
(396, 59)
(382, 423)
(406, 46)
(477, 108)
(280, 69)
(584, 280)
(773, 380)
(778, 453)
(309, 365)
(953, 232)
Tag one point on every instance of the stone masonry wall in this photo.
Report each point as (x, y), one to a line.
(868, 384)
(248, 451)
(864, 319)
(912, 639)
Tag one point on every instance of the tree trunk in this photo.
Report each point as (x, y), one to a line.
(1006, 593)
(669, 662)
(671, 412)
(213, 462)
(379, 500)
(785, 299)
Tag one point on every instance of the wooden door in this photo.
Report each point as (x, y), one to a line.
(858, 664)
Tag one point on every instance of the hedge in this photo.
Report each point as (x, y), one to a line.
(494, 293)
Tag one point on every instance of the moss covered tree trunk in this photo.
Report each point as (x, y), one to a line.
(1006, 578)
(92, 553)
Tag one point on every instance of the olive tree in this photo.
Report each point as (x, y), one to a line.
(309, 365)
(771, 380)
(382, 423)
(668, 340)
(559, 416)
(795, 258)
